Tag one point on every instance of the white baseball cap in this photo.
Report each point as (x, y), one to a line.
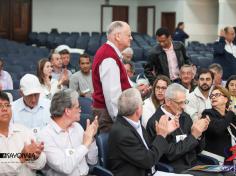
(62, 48)
(29, 84)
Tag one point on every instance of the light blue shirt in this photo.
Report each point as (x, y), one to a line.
(37, 117)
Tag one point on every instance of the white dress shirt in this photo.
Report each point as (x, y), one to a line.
(138, 128)
(148, 110)
(57, 75)
(37, 117)
(14, 143)
(6, 80)
(230, 48)
(66, 155)
(46, 93)
(110, 77)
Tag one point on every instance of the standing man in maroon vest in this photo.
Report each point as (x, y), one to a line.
(109, 75)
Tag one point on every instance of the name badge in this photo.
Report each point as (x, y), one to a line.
(35, 130)
(70, 151)
(180, 137)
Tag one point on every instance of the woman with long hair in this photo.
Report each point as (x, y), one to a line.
(221, 132)
(49, 86)
(156, 99)
(231, 86)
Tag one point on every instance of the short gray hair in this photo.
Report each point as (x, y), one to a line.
(129, 101)
(186, 66)
(114, 27)
(217, 67)
(128, 50)
(62, 100)
(172, 89)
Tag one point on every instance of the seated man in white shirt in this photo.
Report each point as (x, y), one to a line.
(21, 155)
(6, 82)
(60, 73)
(68, 147)
(31, 110)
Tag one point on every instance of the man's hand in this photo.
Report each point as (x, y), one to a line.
(222, 33)
(90, 132)
(64, 77)
(31, 151)
(166, 126)
(199, 126)
(173, 124)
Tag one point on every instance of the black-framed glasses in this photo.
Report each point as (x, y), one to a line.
(216, 95)
(180, 102)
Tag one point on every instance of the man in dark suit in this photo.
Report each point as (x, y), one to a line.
(166, 57)
(225, 52)
(130, 151)
(186, 141)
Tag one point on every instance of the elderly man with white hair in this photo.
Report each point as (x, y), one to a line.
(109, 75)
(187, 140)
(127, 54)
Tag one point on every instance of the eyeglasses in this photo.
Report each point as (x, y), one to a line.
(216, 95)
(7, 105)
(160, 88)
(180, 102)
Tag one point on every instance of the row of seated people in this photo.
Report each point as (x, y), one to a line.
(35, 111)
(199, 125)
(64, 143)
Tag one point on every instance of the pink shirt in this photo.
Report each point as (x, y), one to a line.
(172, 62)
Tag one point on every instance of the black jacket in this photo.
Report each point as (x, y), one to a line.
(180, 35)
(127, 154)
(182, 155)
(224, 58)
(218, 139)
(157, 60)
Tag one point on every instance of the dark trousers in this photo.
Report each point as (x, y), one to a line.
(104, 120)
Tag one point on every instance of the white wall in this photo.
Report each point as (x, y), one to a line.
(201, 19)
(227, 13)
(66, 15)
(200, 16)
(165, 6)
(74, 15)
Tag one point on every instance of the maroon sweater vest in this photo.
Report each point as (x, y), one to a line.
(104, 52)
